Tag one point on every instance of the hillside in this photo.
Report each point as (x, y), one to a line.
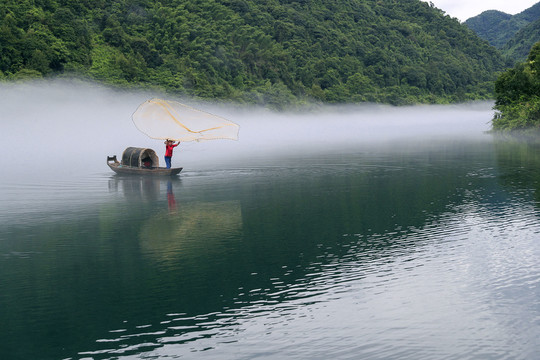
(519, 46)
(512, 34)
(276, 52)
(496, 27)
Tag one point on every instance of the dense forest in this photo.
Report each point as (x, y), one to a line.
(276, 52)
(513, 35)
(519, 46)
(518, 95)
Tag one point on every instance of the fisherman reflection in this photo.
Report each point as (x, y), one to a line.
(170, 198)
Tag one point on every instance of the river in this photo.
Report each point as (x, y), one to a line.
(364, 232)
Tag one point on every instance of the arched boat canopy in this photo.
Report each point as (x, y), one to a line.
(140, 157)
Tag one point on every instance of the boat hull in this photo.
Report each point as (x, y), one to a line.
(132, 170)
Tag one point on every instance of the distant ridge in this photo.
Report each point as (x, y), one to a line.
(494, 26)
(520, 45)
(514, 35)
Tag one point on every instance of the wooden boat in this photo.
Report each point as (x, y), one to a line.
(132, 170)
(139, 161)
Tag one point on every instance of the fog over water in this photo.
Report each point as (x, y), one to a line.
(72, 126)
(57, 134)
(343, 232)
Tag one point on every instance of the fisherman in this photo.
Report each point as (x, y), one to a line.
(169, 146)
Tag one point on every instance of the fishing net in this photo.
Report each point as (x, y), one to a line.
(160, 119)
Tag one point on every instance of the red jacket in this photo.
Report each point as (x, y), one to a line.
(169, 149)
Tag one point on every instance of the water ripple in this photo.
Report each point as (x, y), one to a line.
(359, 281)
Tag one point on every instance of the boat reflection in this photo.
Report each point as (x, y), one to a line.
(168, 230)
(144, 188)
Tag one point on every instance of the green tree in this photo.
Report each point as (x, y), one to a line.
(517, 101)
(254, 51)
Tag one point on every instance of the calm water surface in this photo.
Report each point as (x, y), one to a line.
(390, 250)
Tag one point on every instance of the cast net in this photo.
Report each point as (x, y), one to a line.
(160, 119)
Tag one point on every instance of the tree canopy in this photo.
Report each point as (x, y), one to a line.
(518, 95)
(275, 52)
(519, 46)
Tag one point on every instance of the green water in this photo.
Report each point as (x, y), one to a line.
(395, 251)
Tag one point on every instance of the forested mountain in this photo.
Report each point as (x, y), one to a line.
(514, 35)
(257, 51)
(496, 27)
(519, 46)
